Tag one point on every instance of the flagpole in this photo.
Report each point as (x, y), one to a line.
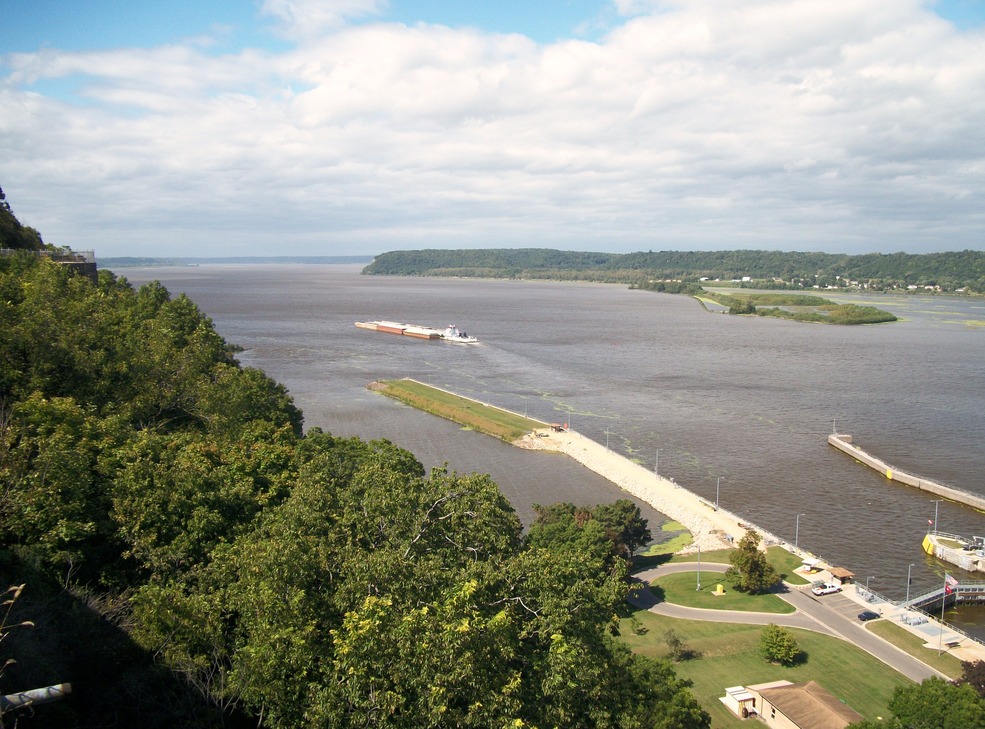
(950, 585)
(940, 638)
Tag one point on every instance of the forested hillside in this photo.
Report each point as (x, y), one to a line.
(192, 558)
(874, 271)
(13, 235)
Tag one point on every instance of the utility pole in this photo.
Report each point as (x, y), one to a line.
(698, 588)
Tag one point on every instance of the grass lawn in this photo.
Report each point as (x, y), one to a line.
(783, 562)
(679, 588)
(728, 655)
(470, 413)
(719, 556)
(913, 644)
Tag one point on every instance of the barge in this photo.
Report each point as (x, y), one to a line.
(968, 554)
(450, 333)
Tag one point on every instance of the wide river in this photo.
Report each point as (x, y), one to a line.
(736, 409)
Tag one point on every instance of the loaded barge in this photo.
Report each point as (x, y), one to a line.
(450, 333)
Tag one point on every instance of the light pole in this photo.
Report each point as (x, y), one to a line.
(717, 487)
(937, 504)
(656, 464)
(607, 437)
(907, 604)
(698, 588)
(796, 534)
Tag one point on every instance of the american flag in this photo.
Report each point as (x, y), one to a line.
(950, 584)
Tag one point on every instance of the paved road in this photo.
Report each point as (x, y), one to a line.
(833, 615)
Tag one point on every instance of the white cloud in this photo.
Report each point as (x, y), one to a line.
(306, 19)
(835, 125)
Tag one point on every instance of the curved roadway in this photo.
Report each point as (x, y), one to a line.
(833, 615)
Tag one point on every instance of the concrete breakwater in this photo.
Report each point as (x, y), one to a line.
(844, 443)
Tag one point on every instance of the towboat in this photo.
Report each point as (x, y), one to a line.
(452, 334)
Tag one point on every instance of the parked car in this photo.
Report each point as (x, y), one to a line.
(826, 588)
(868, 615)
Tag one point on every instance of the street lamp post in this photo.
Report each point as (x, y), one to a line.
(718, 486)
(907, 605)
(698, 588)
(656, 464)
(607, 437)
(937, 504)
(796, 535)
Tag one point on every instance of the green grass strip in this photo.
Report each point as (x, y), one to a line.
(680, 588)
(462, 410)
(914, 645)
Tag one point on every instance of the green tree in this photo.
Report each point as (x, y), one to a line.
(778, 645)
(678, 648)
(54, 500)
(625, 525)
(933, 704)
(12, 233)
(973, 674)
(750, 571)
(938, 704)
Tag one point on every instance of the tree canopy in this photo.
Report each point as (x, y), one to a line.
(13, 235)
(288, 578)
(750, 571)
(664, 270)
(933, 704)
(778, 645)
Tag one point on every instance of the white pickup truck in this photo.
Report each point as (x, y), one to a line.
(826, 588)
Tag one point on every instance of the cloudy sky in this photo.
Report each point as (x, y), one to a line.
(339, 127)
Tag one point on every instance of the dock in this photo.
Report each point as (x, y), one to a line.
(844, 443)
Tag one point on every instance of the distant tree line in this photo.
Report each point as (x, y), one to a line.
(193, 558)
(949, 271)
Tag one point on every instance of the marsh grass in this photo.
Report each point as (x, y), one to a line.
(471, 414)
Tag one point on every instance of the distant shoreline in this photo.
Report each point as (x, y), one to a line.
(186, 261)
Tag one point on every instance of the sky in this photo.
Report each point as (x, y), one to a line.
(354, 127)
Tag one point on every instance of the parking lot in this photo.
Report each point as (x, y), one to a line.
(845, 606)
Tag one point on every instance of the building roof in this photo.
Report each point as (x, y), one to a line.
(811, 706)
(841, 573)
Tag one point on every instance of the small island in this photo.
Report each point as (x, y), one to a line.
(798, 307)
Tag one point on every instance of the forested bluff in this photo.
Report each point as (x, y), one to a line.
(962, 271)
(190, 556)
